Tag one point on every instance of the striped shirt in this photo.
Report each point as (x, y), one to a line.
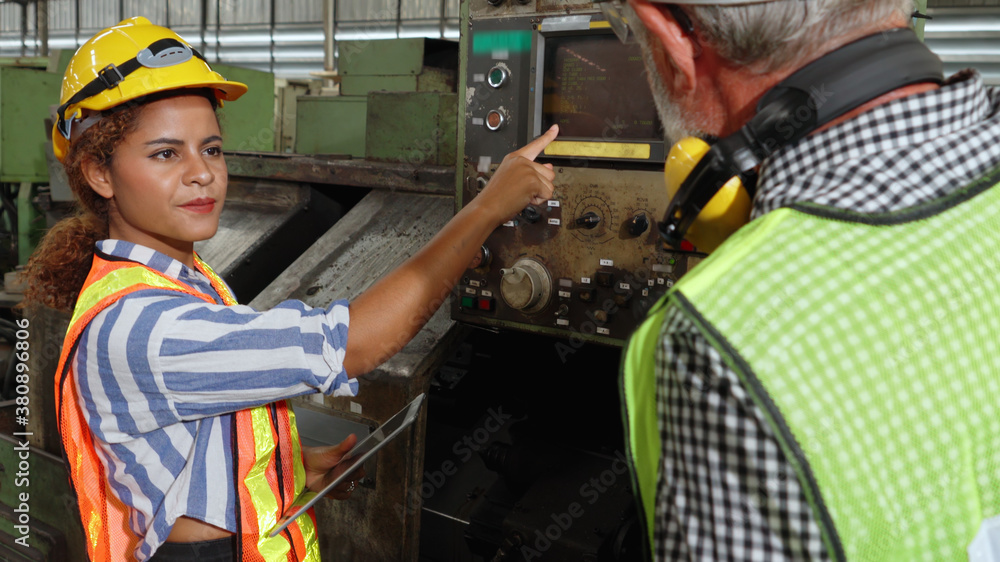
(158, 372)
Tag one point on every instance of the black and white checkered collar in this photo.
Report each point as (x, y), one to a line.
(905, 152)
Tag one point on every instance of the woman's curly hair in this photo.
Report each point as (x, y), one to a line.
(59, 266)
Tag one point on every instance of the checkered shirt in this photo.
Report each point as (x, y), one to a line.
(725, 490)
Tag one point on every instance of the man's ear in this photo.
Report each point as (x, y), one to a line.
(677, 50)
(98, 177)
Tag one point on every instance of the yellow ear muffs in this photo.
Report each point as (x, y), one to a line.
(724, 214)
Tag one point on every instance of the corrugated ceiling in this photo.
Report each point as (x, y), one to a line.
(963, 37)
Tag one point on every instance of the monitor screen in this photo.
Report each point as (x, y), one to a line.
(595, 87)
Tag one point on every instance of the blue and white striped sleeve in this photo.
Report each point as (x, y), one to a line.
(165, 358)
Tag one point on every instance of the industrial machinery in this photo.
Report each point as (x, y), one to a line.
(559, 288)
(588, 264)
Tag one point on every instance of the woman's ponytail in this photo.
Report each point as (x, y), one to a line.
(60, 265)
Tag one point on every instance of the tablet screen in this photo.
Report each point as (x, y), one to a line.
(354, 458)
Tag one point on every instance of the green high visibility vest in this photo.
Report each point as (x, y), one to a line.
(871, 343)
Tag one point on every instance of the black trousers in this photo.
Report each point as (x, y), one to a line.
(218, 550)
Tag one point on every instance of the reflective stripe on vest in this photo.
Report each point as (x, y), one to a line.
(266, 443)
(871, 345)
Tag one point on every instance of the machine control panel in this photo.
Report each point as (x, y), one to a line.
(589, 263)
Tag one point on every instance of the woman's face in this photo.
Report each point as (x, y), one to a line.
(167, 181)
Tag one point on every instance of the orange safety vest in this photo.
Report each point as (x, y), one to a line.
(267, 452)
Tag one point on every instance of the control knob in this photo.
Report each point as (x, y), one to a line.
(638, 224)
(526, 285)
(531, 214)
(589, 220)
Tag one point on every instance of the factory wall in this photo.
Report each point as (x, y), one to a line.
(285, 37)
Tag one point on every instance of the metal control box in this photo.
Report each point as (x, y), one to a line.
(587, 264)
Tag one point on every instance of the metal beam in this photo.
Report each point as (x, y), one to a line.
(42, 26)
(436, 180)
(329, 40)
(274, 16)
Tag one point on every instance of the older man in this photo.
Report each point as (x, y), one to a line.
(823, 386)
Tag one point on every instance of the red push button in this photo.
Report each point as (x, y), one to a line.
(487, 304)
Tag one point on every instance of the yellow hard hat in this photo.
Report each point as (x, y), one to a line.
(127, 61)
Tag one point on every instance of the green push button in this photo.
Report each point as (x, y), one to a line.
(497, 77)
(468, 302)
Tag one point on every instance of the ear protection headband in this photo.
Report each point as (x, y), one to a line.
(814, 95)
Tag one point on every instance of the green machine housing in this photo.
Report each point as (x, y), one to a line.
(397, 103)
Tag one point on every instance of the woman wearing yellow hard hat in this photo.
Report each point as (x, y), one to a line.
(170, 396)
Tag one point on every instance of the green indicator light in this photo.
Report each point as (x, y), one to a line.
(672, 261)
(497, 77)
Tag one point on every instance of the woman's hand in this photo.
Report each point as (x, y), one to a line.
(519, 181)
(319, 460)
(387, 316)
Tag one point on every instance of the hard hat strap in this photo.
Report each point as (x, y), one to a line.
(110, 76)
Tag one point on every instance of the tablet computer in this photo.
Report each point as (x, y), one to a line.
(351, 461)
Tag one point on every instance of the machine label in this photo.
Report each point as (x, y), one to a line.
(509, 223)
(660, 281)
(585, 280)
(624, 286)
(478, 121)
(553, 203)
(470, 291)
(478, 77)
(562, 322)
(565, 294)
(670, 282)
(651, 282)
(626, 150)
(487, 293)
(608, 263)
(566, 23)
(484, 161)
(645, 292)
(475, 282)
(555, 222)
(604, 331)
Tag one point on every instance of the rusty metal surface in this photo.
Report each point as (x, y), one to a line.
(340, 170)
(376, 235)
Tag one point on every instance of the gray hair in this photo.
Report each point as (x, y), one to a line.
(770, 35)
